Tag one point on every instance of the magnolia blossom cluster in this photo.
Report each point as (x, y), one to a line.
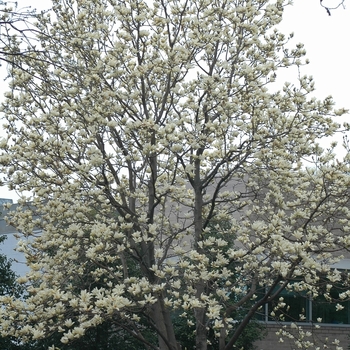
(163, 176)
(306, 339)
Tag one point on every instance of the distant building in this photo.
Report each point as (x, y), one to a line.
(8, 246)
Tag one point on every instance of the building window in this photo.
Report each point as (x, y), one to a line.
(298, 307)
(323, 309)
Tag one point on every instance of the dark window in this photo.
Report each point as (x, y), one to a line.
(291, 306)
(296, 308)
(326, 310)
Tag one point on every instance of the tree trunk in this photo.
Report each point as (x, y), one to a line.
(199, 313)
(201, 331)
(162, 320)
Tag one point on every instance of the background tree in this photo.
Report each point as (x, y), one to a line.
(138, 128)
(8, 286)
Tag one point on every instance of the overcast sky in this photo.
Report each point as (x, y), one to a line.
(326, 40)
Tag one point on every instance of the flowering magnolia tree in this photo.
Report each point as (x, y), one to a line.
(162, 174)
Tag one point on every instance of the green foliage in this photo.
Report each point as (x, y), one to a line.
(8, 283)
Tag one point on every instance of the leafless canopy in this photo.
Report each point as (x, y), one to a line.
(16, 25)
(334, 7)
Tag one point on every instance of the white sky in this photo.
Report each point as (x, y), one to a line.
(326, 40)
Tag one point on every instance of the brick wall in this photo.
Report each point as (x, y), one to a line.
(320, 337)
